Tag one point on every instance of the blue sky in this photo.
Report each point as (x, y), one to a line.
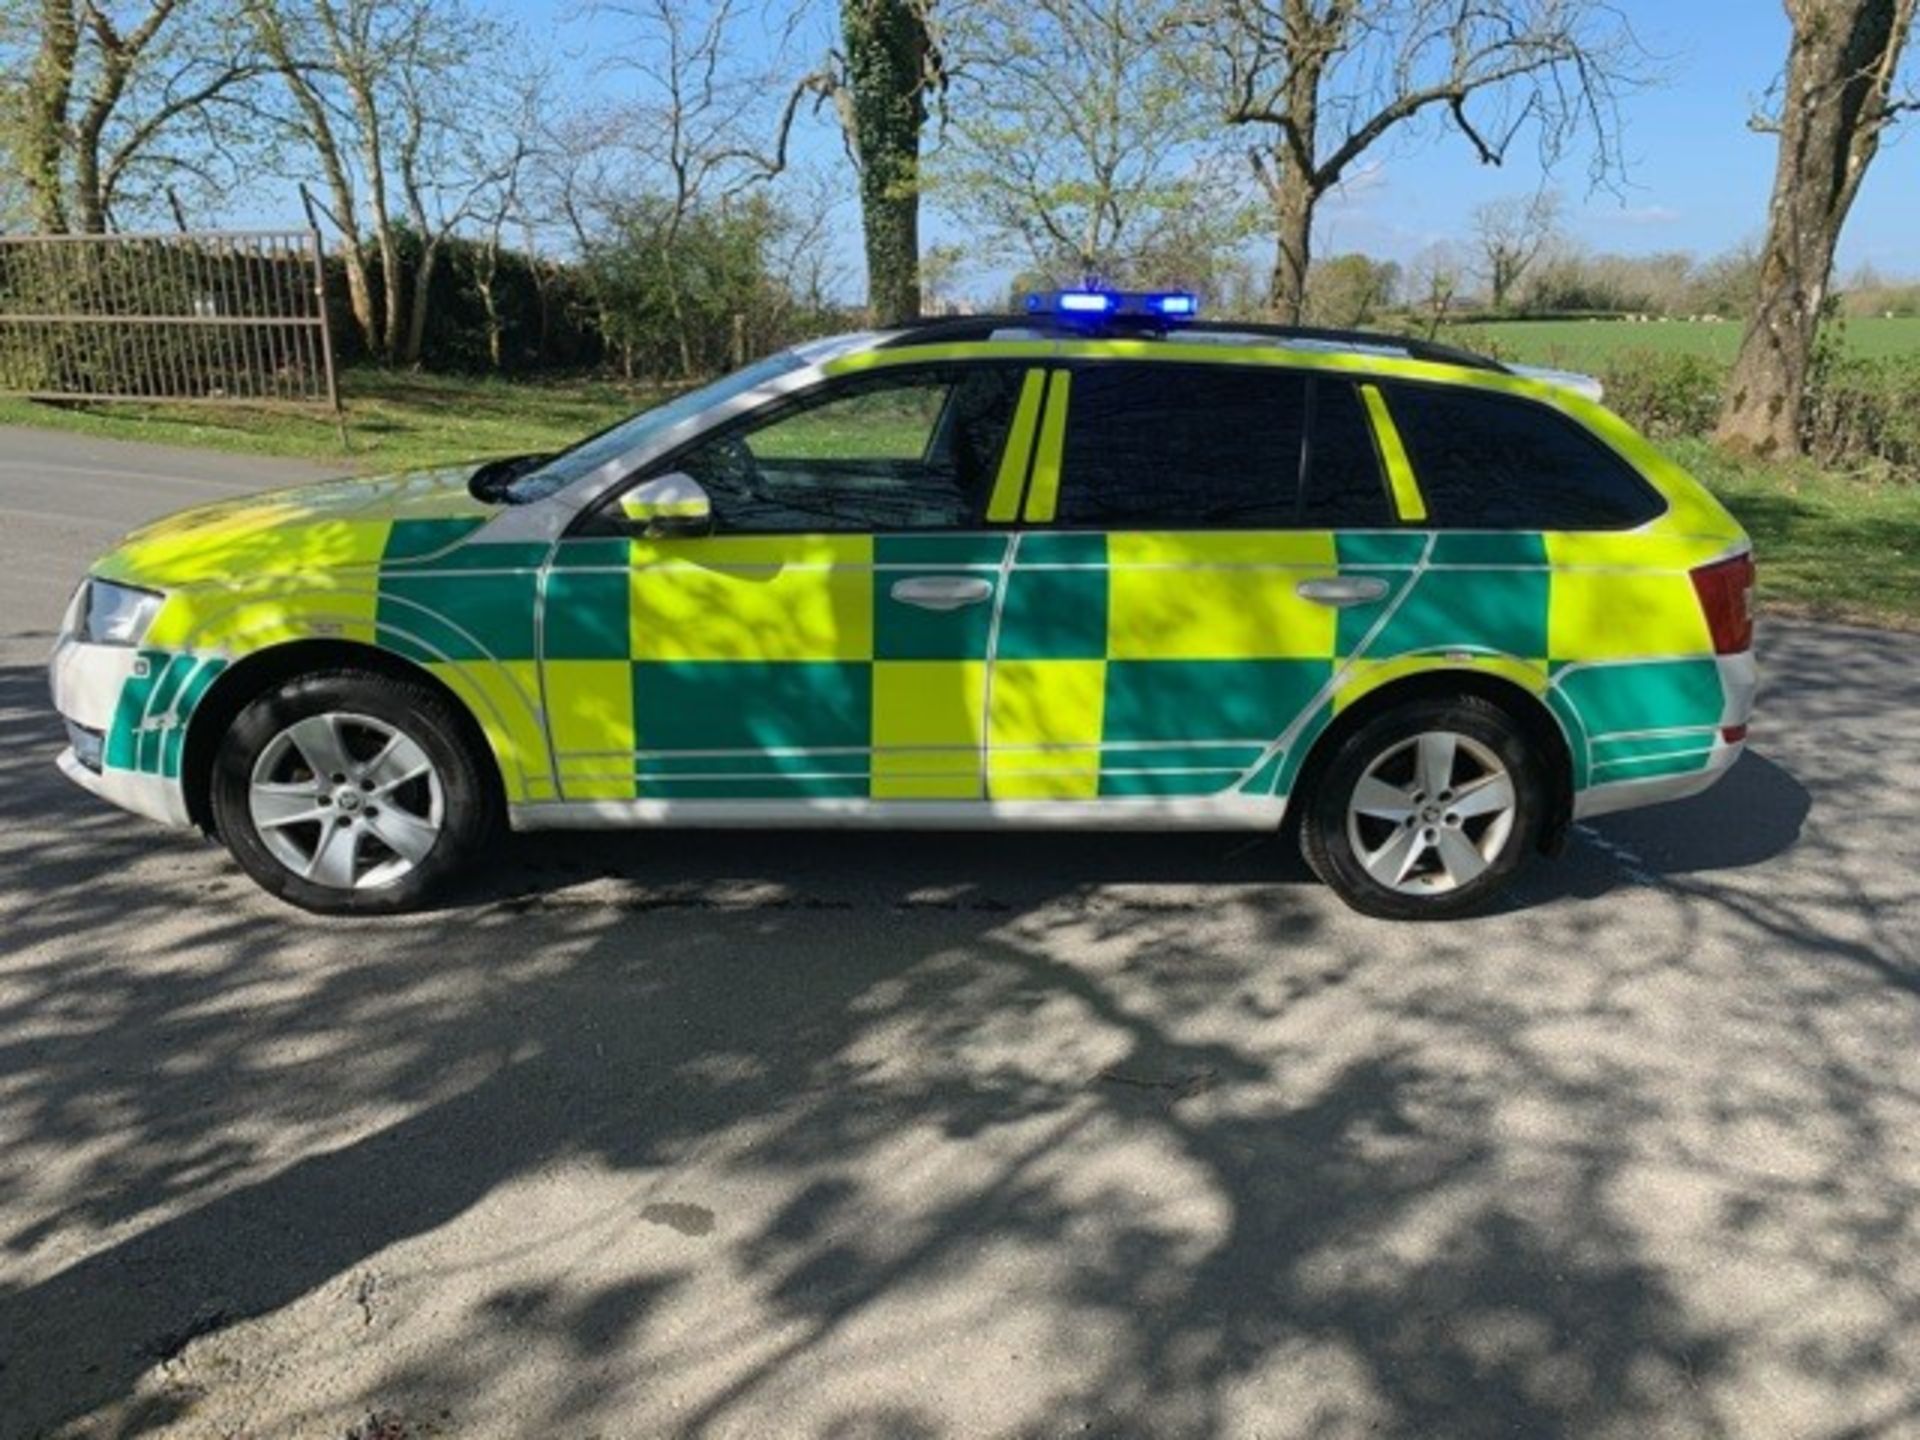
(1697, 176)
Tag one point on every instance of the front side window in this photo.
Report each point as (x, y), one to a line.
(1500, 462)
(555, 474)
(902, 449)
(1182, 447)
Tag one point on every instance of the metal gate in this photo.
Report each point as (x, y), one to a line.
(213, 317)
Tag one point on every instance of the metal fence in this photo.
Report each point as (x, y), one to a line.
(219, 317)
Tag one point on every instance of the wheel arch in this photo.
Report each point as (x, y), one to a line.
(1530, 711)
(253, 675)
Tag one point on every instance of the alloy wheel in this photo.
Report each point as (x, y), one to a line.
(346, 801)
(1431, 813)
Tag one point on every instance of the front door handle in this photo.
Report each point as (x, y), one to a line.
(942, 592)
(1343, 590)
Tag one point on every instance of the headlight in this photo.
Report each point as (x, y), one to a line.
(76, 612)
(118, 614)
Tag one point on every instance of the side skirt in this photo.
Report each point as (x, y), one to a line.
(1212, 812)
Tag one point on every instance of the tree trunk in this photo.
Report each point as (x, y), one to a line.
(1291, 198)
(1287, 173)
(1834, 108)
(327, 150)
(89, 194)
(360, 292)
(90, 205)
(44, 114)
(888, 53)
(392, 290)
(422, 300)
(487, 273)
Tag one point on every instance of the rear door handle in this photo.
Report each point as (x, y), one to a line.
(1343, 590)
(942, 592)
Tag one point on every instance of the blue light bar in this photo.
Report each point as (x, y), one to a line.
(1080, 302)
(1161, 305)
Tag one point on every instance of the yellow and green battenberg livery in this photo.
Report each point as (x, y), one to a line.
(986, 572)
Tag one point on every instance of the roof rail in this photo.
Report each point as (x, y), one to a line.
(960, 328)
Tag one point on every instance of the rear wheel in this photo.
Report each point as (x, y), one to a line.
(350, 793)
(1426, 811)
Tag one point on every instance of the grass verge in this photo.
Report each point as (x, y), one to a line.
(1830, 544)
(395, 420)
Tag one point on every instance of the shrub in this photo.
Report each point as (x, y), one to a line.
(1665, 394)
(1866, 411)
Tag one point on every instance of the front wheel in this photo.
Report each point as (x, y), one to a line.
(350, 793)
(1426, 811)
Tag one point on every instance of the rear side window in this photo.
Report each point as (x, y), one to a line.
(1182, 447)
(1496, 462)
(1342, 487)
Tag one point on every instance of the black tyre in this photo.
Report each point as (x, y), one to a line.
(1426, 811)
(351, 793)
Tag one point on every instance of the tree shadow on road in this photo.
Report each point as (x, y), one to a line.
(1244, 1157)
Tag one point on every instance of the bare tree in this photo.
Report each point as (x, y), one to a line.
(1511, 234)
(1433, 282)
(453, 171)
(388, 97)
(108, 90)
(703, 127)
(499, 205)
(1838, 98)
(1084, 175)
(1319, 83)
(1349, 290)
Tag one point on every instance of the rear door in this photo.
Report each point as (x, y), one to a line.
(1176, 602)
(828, 640)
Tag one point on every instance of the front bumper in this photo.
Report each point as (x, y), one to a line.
(88, 682)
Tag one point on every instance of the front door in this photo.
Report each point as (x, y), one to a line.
(828, 641)
(1176, 602)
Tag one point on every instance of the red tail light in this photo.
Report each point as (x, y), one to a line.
(1725, 589)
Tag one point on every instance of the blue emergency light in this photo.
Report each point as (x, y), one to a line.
(1161, 306)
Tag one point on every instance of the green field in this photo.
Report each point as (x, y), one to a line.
(1575, 344)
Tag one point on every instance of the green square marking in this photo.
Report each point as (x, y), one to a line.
(1162, 700)
(940, 550)
(409, 540)
(1656, 695)
(1503, 611)
(1054, 615)
(1475, 547)
(459, 617)
(903, 631)
(587, 615)
(1379, 547)
(752, 705)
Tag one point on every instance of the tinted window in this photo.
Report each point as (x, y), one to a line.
(1494, 462)
(906, 449)
(1344, 486)
(1181, 446)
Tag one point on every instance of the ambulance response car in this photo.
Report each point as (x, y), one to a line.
(1098, 565)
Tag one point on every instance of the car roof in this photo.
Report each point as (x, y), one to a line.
(984, 329)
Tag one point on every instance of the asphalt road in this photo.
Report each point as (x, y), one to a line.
(925, 1136)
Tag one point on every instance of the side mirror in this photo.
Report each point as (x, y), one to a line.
(670, 504)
